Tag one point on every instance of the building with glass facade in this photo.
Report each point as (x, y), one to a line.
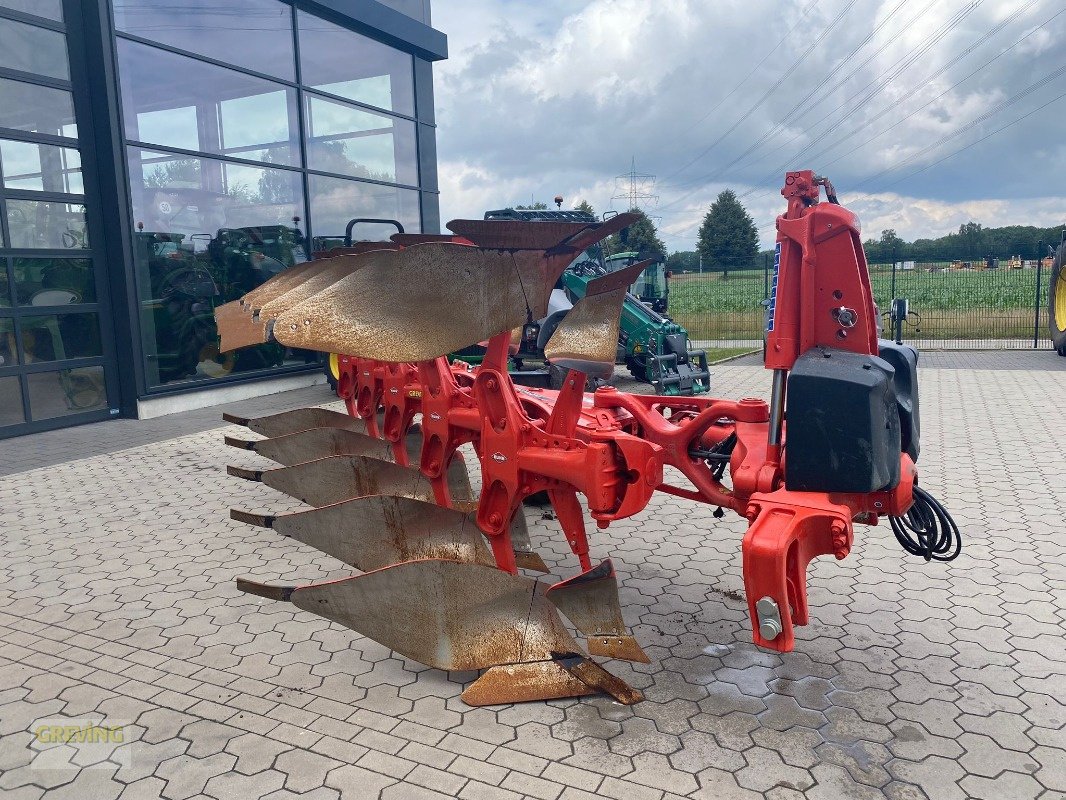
(159, 158)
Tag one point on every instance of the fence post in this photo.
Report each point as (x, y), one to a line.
(1039, 286)
(766, 276)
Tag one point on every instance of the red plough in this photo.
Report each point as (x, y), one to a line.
(846, 454)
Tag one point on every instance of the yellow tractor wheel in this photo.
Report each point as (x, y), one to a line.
(1057, 301)
(333, 370)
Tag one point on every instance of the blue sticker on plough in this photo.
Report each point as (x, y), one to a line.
(771, 312)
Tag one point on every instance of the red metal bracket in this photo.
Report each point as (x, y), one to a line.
(401, 396)
(368, 393)
(787, 530)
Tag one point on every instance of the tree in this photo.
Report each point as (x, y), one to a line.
(728, 238)
(639, 237)
(971, 240)
(535, 206)
(890, 241)
(334, 156)
(885, 249)
(585, 206)
(683, 261)
(183, 172)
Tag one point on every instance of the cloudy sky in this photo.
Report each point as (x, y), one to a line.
(900, 102)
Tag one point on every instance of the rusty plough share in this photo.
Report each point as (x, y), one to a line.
(392, 498)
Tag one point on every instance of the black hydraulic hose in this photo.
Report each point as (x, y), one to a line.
(717, 457)
(927, 529)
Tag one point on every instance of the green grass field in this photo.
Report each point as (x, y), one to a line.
(953, 304)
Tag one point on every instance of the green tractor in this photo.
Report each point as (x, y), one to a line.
(651, 288)
(652, 346)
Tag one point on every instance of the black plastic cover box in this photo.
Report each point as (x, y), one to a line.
(842, 423)
(904, 359)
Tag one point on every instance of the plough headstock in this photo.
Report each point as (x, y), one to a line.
(442, 582)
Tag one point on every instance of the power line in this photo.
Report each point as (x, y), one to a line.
(928, 79)
(846, 79)
(895, 70)
(978, 141)
(959, 150)
(773, 88)
(776, 128)
(802, 153)
(747, 77)
(996, 109)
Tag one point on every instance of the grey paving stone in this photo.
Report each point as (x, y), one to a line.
(409, 791)
(150, 788)
(387, 764)
(475, 790)
(187, 776)
(912, 682)
(206, 737)
(478, 770)
(304, 770)
(354, 781)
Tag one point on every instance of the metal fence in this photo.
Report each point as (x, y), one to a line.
(990, 302)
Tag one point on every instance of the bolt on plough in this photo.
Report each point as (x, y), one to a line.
(388, 489)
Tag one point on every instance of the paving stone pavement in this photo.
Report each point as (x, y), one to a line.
(914, 680)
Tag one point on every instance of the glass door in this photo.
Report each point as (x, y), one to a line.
(54, 368)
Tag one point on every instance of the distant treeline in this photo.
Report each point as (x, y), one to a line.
(971, 242)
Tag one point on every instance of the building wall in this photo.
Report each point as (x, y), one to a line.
(219, 144)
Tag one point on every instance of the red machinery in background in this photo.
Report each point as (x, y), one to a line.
(836, 444)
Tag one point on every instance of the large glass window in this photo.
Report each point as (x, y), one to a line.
(335, 201)
(39, 109)
(208, 227)
(66, 391)
(191, 196)
(55, 337)
(351, 141)
(50, 225)
(339, 61)
(9, 352)
(53, 281)
(50, 9)
(40, 167)
(175, 101)
(10, 394)
(28, 48)
(208, 231)
(254, 34)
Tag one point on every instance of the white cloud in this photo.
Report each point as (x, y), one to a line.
(924, 218)
(557, 97)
